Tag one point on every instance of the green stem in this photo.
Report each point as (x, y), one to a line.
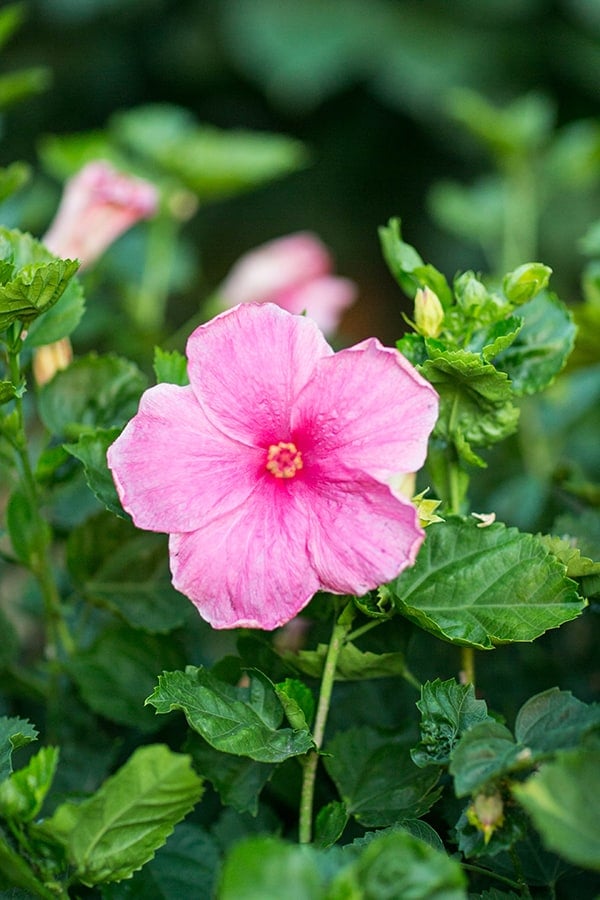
(521, 214)
(40, 563)
(311, 760)
(479, 870)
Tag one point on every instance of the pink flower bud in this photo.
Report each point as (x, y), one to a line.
(295, 272)
(98, 205)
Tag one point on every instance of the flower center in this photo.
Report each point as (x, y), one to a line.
(284, 460)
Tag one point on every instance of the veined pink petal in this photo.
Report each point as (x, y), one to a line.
(361, 534)
(261, 275)
(173, 470)
(250, 567)
(248, 365)
(322, 299)
(366, 408)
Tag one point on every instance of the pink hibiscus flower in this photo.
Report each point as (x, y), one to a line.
(270, 470)
(98, 205)
(295, 272)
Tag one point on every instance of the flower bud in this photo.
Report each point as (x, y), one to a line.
(429, 313)
(486, 813)
(525, 282)
(471, 294)
(296, 273)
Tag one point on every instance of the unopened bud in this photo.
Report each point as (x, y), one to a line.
(52, 358)
(429, 313)
(486, 813)
(525, 282)
(471, 294)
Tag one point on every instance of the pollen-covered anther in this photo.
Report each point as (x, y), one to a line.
(284, 459)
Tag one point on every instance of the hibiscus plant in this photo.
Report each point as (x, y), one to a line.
(263, 630)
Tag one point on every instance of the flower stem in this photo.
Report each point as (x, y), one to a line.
(311, 760)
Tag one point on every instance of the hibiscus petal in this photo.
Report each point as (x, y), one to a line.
(173, 469)
(366, 408)
(249, 568)
(361, 534)
(248, 365)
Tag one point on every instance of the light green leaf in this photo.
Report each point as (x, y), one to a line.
(298, 702)
(407, 266)
(13, 178)
(113, 833)
(239, 720)
(475, 398)
(448, 710)
(485, 586)
(209, 161)
(352, 664)
(170, 366)
(396, 864)
(93, 392)
(16, 86)
(91, 450)
(22, 793)
(14, 733)
(576, 564)
(376, 778)
(267, 868)
(542, 346)
(329, 824)
(563, 799)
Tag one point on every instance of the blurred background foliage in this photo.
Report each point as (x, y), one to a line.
(442, 114)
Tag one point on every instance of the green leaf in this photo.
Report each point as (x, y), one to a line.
(93, 392)
(23, 793)
(555, 720)
(126, 571)
(448, 710)
(475, 399)
(329, 824)
(113, 833)
(36, 280)
(542, 346)
(117, 671)
(185, 867)
(14, 733)
(407, 266)
(13, 178)
(11, 19)
(571, 557)
(209, 161)
(376, 778)
(91, 450)
(563, 799)
(240, 720)
(237, 779)
(7, 391)
(267, 868)
(298, 702)
(29, 533)
(170, 366)
(16, 86)
(60, 320)
(493, 339)
(484, 754)
(16, 873)
(352, 665)
(396, 864)
(485, 586)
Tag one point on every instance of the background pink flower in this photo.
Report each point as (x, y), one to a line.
(295, 272)
(269, 471)
(98, 205)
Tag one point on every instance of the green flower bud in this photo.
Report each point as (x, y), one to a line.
(429, 313)
(525, 282)
(471, 294)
